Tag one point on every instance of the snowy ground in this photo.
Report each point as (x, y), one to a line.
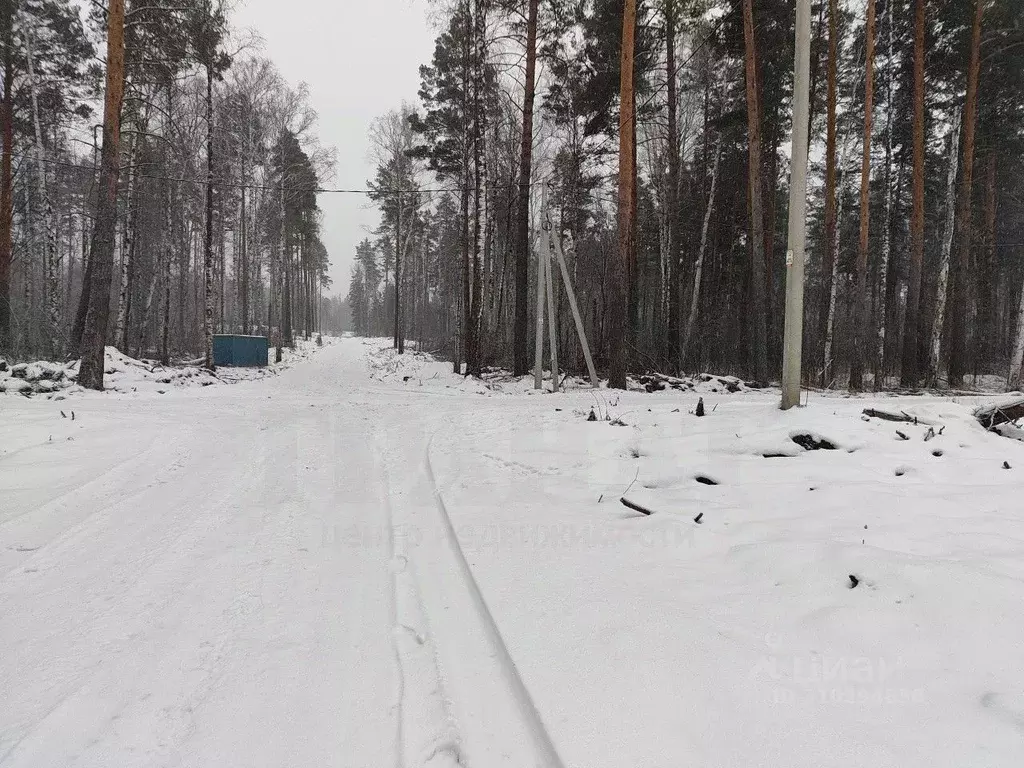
(367, 561)
(128, 376)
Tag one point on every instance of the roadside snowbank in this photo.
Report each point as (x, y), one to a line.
(126, 375)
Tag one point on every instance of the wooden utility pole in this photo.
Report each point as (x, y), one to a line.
(794, 330)
(759, 301)
(962, 275)
(911, 372)
(861, 288)
(101, 256)
(520, 350)
(622, 267)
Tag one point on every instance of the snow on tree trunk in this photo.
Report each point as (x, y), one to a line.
(935, 348)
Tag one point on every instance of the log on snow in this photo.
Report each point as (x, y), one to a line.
(890, 416)
(635, 507)
(1005, 412)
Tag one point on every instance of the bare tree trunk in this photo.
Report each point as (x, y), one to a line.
(244, 257)
(6, 174)
(883, 268)
(987, 328)
(208, 238)
(49, 258)
(942, 288)
(621, 292)
(165, 351)
(831, 233)
(698, 270)
(758, 322)
(101, 258)
(520, 343)
(398, 340)
(830, 316)
(861, 287)
(473, 365)
(962, 276)
(467, 272)
(674, 272)
(127, 251)
(912, 334)
(1013, 379)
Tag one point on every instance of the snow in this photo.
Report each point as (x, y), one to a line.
(367, 560)
(127, 376)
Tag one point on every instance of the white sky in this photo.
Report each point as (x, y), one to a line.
(360, 59)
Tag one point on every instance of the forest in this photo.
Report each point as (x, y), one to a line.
(651, 140)
(158, 185)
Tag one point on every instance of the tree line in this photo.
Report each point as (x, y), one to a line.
(186, 207)
(652, 138)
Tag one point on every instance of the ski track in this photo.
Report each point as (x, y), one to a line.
(189, 601)
(546, 753)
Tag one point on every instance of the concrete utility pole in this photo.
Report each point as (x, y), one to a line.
(793, 347)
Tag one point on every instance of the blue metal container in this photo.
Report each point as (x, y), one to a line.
(240, 351)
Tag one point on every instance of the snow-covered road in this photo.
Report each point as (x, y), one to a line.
(370, 562)
(210, 578)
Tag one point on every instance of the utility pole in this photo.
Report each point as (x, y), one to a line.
(793, 346)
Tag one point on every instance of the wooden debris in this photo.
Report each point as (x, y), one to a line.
(889, 416)
(1006, 412)
(635, 507)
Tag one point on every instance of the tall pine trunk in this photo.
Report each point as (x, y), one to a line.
(674, 269)
(208, 309)
(758, 320)
(911, 373)
(883, 267)
(698, 268)
(962, 275)
(861, 288)
(6, 174)
(831, 233)
(942, 287)
(520, 333)
(1013, 379)
(101, 257)
(48, 244)
(621, 273)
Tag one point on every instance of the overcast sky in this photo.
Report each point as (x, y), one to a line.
(360, 59)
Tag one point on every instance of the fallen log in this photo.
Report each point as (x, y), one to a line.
(1004, 412)
(890, 416)
(635, 507)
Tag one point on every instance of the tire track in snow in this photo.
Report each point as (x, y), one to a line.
(427, 736)
(542, 743)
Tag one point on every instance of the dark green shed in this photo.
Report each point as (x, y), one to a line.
(240, 351)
